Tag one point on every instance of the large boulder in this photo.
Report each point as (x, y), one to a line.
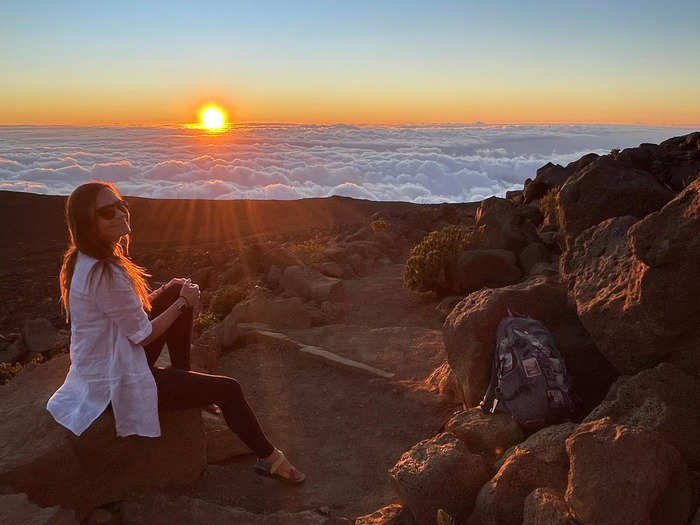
(502, 224)
(39, 335)
(545, 506)
(553, 176)
(676, 161)
(264, 307)
(540, 461)
(597, 269)
(260, 257)
(472, 270)
(419, 478)
(548, 444)
(664, 399)
(668, 244)
(626, 475)
(470, 337)
(54, 467)
(636, 285)
(308, 283)
(533, 254)
(393, 514)
(605, 189)
(443, 381)
(489, 434)
(17, 509)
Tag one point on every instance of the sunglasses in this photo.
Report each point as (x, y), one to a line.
(108, 212)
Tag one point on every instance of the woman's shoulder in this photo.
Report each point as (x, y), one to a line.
(90, 272)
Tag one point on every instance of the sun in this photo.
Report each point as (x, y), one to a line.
(212, 117)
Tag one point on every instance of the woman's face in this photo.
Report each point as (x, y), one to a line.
(111, 229)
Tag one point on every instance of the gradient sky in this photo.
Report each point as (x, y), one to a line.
(352, 62)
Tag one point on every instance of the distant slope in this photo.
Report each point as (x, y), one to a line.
(31, 219)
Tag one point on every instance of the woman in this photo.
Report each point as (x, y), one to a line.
(114, 343)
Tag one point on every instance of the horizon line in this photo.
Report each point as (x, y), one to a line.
(232, 125)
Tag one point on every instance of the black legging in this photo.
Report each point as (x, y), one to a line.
(179, 387)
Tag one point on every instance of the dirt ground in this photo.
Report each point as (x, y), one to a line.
(344, 429)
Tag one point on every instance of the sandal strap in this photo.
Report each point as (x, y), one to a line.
(277, 463)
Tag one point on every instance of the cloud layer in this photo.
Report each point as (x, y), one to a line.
(423, 164)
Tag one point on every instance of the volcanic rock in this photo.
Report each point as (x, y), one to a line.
(489, 434)
(545, 506)
(532, 254)
(663, 399)
(622, 475)
(540, 461)
(281, 312)
(54, 467)
(420, 478)
(605, 189)
(394, 514)
(502, 224)
(471, 270)
(306, 282)
(443, 381)
(636, 285)
(38, 335)
(16, 508)
(470, 337)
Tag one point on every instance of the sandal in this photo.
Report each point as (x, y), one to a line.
(270, 471)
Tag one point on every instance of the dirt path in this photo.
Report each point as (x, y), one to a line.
(345, 429)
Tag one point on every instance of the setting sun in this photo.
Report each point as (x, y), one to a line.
(212, 117)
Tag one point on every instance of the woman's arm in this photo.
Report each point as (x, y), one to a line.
(189, 298)
(154, 293)
(161, 323)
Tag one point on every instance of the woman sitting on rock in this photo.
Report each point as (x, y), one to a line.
(115, 344)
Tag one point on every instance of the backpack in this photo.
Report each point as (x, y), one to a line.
(528, 378)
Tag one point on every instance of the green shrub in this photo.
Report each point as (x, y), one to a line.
(204, 321)
(224, 299)
(427, 263)
(548, 204)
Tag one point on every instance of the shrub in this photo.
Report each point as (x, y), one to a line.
(10, 370)
(204, 321)
(224, 299)
(548, 205)
(309, 251)
(379, 225)
(427, 263)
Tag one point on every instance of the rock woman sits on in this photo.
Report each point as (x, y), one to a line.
(115, 344)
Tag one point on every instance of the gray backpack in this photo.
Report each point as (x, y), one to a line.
(528, 378)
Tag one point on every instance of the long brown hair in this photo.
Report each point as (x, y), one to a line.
(81, 219)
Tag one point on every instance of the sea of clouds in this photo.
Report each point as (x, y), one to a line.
(422, 164)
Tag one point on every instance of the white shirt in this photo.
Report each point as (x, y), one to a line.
(107, 363)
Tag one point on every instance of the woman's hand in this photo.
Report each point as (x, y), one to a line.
(190, 292)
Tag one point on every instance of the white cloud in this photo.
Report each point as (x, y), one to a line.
(428, 164)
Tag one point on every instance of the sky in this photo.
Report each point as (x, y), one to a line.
(422, 164)
(372, 63)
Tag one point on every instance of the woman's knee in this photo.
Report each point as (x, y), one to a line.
(229, 388)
